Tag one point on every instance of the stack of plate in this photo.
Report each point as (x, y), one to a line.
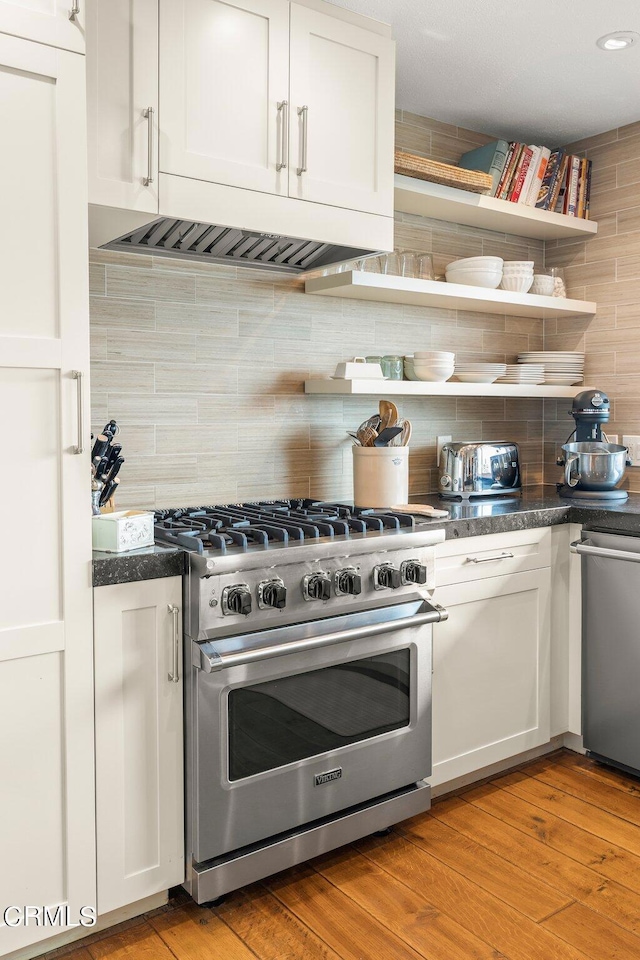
(525, 373)
(479, 372)
(563, 368)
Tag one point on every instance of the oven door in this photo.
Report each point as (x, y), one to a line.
(296, 723)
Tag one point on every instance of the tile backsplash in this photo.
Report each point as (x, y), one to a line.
(203, 365)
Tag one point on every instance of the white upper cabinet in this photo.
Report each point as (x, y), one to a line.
(58, 23)
(122, 93)
(47, 813)
(342, 113)
(224, 69)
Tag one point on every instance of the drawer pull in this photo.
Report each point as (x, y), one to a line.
(505, 555)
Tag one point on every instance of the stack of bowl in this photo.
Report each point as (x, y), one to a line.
(517, 275)
(476, 271)
(434, 366)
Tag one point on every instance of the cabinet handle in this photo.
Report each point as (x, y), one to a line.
(505, 555)
(174, 676)
(283, 112)
(77, 376)
(147, 113)
(75, 11)
(304, 113)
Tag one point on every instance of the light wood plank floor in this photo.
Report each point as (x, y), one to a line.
(540, 864)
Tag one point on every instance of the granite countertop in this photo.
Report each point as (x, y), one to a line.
(537, 507)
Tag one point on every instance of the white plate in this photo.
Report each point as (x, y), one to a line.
(476, 377)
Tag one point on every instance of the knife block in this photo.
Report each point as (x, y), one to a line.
(109, 506)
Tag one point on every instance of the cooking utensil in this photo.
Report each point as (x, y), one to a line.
(114, 452)
(405, 436)
(354, 436)
(386, 435)
(111, 429)
(102, 469)
(100, 446)
(388, 415)
(366, 436)
(115, 469)
(108, 491)
(420, 510)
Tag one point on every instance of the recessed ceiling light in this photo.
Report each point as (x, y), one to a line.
(619, 40)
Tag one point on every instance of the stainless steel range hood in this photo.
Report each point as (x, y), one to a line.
(211, 243)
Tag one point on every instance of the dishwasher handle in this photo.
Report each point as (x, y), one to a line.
(587, 550)
(211, 660)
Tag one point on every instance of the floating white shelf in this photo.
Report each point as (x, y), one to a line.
(357, 285)
(414, 388)
(427, 199)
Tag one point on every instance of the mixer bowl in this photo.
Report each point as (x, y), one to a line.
(594, 465)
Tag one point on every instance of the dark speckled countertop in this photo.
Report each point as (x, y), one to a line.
(537, 507)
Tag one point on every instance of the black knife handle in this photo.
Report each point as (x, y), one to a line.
(113, 454)
(115, 469)
(108, 491)
(100, 446)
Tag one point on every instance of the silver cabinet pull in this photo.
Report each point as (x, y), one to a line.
(283, 112)
(74, 13)
(147, 113)
(505, 555)
(174, 676)
(77, 376)
(304, 113)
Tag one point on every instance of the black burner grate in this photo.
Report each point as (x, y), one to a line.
(245, 526)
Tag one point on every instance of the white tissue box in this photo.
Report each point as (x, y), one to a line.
(123, 530)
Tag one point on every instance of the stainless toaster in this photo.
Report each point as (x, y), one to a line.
(482, 469)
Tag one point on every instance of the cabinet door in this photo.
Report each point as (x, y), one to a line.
(47, 815)
(342, 113)
(139, 767)
(491, 685)
(224, 68)
(58, 23)
(122, 103)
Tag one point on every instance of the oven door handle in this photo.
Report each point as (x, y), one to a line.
(212, 661)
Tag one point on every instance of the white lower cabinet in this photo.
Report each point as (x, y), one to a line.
(139, 752)
(491, 670)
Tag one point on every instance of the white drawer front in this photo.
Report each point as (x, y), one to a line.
(475, 558)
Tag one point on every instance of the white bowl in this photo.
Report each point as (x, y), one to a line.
(516, 284)
(477, 262)
(489, 281)
(434, 355)
(476, 377)
(434, 376)
(542, 285)
(515, 266)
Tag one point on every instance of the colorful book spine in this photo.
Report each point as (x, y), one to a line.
(560, 205)
(557, 186)
(538, 177)
(531, 172)
(571, 201)
(521, 173)
(508, 173)
(587, 199)
(549, 180)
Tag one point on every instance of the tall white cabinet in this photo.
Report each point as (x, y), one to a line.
(139, 755)
(47, 821)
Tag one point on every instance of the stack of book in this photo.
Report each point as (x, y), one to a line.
(534, 176)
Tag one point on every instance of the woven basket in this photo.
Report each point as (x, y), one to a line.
(423, 169)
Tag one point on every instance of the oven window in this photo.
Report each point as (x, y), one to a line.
(281, 721)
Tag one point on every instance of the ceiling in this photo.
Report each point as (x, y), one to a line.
(527, 71)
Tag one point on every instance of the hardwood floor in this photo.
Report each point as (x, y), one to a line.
(540, 864)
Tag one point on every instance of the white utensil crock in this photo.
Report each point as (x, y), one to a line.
(380, 476)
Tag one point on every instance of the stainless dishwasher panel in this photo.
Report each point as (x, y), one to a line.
(611, 647)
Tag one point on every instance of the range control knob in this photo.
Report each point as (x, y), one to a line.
(386, 576)
(273, 593)
(317, 586)
(413, 572)
(236, 600)
(348, 581)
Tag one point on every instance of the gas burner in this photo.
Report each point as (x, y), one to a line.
(247, 526)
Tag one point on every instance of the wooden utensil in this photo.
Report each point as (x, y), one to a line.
(405, 436)
(420, 510)
(388, 414)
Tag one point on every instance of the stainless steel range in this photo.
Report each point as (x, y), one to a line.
(307, 681)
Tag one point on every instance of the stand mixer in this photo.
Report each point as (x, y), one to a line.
(592, 466)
